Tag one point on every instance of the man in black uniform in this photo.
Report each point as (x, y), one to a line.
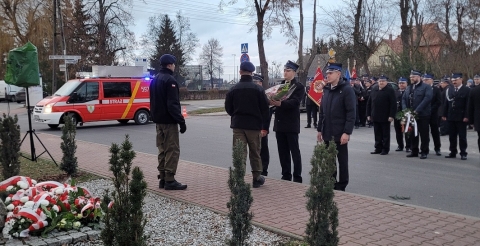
(399, 134)
(474, 107)
(362, 103)
(312, 108)
(366, 96)
(358, 93)
(247, 105)
(337, 118)
(381, 109)
(435, 104)
(287, 126)
(166, 113)
(418, 97)
(444, 85)
(456, 113)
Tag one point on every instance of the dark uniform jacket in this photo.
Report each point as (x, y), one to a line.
(474, 108)
(418, 99)
(308, 101)
(164, 99)
(398, 96)
(382, 104)
(247, 105)
(337, 111)
(358, 91)
(367, 92)
(442, 100)
(436, 100)
(287, 116)
(456, 104)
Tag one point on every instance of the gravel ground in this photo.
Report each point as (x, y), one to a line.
(170, 222)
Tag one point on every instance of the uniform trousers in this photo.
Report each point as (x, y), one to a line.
(457, 128)
(362, 112)
(423, 134)
(252, 139)
(288, 150)
(434, 130)
(382, 136)
(400, 135)
(168, 151)
(312, 112)
(265, 155)
(342, 158)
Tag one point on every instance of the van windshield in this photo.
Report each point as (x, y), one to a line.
(67, 88)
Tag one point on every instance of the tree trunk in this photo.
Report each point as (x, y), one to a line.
(406, 29)
(303, 73)
(301, 70)
(261, 48)
(356, 33)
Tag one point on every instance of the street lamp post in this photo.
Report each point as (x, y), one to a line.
(234, 67)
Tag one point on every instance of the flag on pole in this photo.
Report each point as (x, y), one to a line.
(316, 88)
(354, 71)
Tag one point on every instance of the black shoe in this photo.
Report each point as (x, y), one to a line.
(258, 182)
(399, 149)
(437, 152)
(463, 157)
(412, 155)
(283, 178)
(423, 156)
(384, 153)
(308, 126)
(451, 156)
(264, 173)
(408, 150)
(174, 185)
(375, 152)
(161, 183)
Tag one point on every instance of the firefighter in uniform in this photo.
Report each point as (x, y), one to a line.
(399, 134)
(435, 104)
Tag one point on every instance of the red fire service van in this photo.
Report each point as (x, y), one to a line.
(97, 99)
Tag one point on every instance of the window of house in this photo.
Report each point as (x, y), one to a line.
(117, 89)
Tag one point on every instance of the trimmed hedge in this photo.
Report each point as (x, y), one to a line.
(185, 94)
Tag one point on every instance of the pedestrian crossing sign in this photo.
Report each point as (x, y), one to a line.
(244, 48)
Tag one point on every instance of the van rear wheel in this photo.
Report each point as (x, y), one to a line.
(53, 126)
(141, 117)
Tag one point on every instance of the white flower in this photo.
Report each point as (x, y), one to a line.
(22, 184)
(79, 216)
(22, 221)
(9, 214)
(34, 182)
(8, 199)
(55, 208)
(63, 222)
(77, 224)
(29, 204)
(24, 199)
(10, 187)
(59, 191)
(10, 207)
(44, 202)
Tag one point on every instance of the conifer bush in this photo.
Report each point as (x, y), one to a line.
(124, 221)
(322, 226)
(9, 146)
(69, 162)
(241, 198)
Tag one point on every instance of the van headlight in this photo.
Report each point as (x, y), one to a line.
(48, 108)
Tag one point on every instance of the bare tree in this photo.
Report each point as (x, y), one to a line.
(268, 13)
(406, 26)
(188, 39)
(211, 58)
(303, 68)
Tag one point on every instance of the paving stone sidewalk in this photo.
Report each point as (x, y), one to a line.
(280, 205)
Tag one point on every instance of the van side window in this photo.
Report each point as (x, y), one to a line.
(117, 89)
(87, 92)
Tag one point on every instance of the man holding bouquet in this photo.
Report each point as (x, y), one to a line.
(287, 124)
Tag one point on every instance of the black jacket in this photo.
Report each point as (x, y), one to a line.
(436, 101)
(287, 115)
(474, 108)
(418, 99)
(398, 96)
(337, 111)
(456, 104)
(164, 99)
(247, 105)
(382, 104)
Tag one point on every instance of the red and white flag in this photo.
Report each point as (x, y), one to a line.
(316, 91)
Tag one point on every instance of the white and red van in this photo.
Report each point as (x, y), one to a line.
(97, 99)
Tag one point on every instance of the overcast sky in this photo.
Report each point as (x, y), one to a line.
(230, 28)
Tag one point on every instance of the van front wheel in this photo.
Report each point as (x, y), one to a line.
(141, 117)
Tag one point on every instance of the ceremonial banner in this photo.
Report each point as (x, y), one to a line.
(316, 91)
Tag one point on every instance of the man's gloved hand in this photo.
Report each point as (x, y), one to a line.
(183, 127)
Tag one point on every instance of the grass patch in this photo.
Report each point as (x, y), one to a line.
(207, 110)
(46, 170)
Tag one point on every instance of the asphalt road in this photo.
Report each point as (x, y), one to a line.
(439, 183)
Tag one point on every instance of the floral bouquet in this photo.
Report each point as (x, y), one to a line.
(41, 207)
(408, 120)
(280, 92)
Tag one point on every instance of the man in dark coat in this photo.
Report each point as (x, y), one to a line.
(337, 119)
(366, 96)
(399, 134)
(456, 113)
(312, 109)
(474, 107)
(381, 109)
(435, 104)
(444, 85)
(358, 93)
(362, 103)
(418, 97)
(287, 126)
(166, 113)
(247, 105)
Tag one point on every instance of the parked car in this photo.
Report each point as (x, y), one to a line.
(20, 96)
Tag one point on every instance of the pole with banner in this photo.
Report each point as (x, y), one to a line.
(316, 88)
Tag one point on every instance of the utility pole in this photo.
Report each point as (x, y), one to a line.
(54, 83)
(234, 67)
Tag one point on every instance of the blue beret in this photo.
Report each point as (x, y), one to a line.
(428, 76)
(167, 59)
(415, 72)
(334, 67)
(402, 80)
(383, 77)
(258, 77)
(374, 78)
(456, 75)
(291, 65)
(247, 66)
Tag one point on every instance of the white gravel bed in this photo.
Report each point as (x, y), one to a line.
(170, 222)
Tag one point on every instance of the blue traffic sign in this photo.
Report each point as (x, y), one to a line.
(244, 58)
(244, 48)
